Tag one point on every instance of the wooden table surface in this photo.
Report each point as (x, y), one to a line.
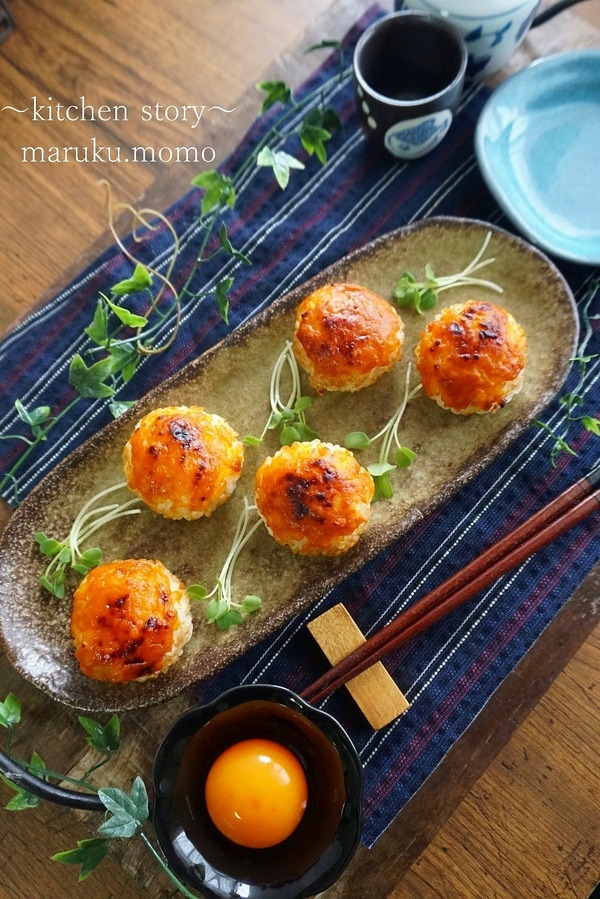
(513, 810)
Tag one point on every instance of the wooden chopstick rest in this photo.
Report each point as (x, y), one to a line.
(374, 691)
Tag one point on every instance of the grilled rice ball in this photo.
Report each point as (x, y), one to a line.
(183, 461)
(346, 337)
(471, 357)
(314, 498)
(130, 621)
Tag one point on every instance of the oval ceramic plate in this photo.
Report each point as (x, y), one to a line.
(233, 380)
(537, 142)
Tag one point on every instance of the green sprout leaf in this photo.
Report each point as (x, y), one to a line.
(68, 551)
(423, 295)
(281, 163)
(290, 416)
(221, 609)
(251, 603)
(404, 457)
(89, 854)
(390, 446)
(289, 435)
(249, 440)
(378, 469)
(357, 440)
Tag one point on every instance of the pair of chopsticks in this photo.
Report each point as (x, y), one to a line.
(536, 532)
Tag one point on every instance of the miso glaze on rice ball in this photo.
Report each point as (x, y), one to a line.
(346, 337)
(314, 498)
(130, 621)
(183, 461)
(471, 357)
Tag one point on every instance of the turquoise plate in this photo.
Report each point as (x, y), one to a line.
(538, 146)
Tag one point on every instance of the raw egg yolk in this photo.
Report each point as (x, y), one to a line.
(256, 793)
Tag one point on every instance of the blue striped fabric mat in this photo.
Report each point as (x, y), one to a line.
(450, 673)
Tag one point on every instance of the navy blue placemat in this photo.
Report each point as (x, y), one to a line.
(449, 673)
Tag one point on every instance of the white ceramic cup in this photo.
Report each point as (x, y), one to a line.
(492, 29)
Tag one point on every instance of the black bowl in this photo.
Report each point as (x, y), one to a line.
(315, 854)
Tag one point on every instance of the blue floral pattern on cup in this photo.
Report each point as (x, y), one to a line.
(416, 137)
(491, 38)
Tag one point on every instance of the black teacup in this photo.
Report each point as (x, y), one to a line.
(409, 70)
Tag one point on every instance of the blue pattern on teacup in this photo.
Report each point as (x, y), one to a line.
(491, 38)
(497, 34)
(416, 137)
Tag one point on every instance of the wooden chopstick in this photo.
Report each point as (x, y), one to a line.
(537, 531)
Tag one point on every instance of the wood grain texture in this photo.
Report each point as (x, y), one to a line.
(537, 795)
(498, 825)
(374, 691)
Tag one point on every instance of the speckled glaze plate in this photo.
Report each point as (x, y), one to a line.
(537, 143)
(232, 379)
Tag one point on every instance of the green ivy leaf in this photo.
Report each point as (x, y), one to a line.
(130, 319)
(89, 854)
(140, 280)
(90, 381)
(314, 135)
(591, 424)
(229, 248)
(97, 331)
(105, 738)
(222, 297)
(22, 799)
(276, 92)
(218, 190)
(33, 418)
(129, 811)
(324, 45)
(120, 406)
(10, 711)
(281, 163)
